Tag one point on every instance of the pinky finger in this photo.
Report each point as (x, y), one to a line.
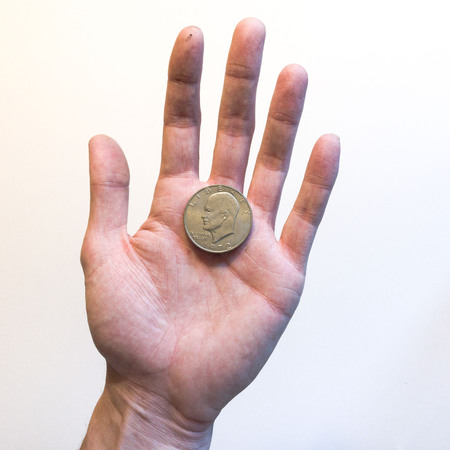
(301, 226)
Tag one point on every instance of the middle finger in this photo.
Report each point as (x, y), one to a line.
(237, 108)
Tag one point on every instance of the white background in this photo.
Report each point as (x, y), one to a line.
(365, 363)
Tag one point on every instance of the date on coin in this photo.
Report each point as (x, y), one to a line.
(218, 218)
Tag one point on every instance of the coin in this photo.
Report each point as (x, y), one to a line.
(218, 218)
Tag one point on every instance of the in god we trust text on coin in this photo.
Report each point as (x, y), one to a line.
(218, 218)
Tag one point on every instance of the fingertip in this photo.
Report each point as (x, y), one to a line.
(293, 82)
(323, 165)
(252, 31)
(191, 34)
(251, 23)
(190, 43)
(101, 141)
(329, 145)
(107, 162)
(187, 56)
(294, 72)
(331, 139)
(109, 179)
(289, 96)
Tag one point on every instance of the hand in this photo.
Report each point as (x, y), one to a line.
(183, 331)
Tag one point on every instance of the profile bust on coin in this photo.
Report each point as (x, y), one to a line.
(219, 219)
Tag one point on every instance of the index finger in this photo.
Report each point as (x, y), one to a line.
(182, 108)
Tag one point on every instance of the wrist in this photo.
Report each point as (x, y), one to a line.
(125, 417)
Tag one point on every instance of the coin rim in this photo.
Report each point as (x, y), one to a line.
(213, 186)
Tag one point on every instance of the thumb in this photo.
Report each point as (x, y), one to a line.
(109, 180)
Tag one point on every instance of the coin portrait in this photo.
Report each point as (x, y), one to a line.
(218, 218)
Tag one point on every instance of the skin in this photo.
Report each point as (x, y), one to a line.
(184, 331)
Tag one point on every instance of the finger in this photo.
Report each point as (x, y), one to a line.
(301, 226)
(274, 156)
(109, 181)
(237, 108)
(182, 109)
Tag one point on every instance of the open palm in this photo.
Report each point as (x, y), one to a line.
(175, 322)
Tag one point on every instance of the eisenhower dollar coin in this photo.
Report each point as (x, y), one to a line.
(218, 218)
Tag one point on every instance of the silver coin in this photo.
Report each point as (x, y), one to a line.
(218, 218)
